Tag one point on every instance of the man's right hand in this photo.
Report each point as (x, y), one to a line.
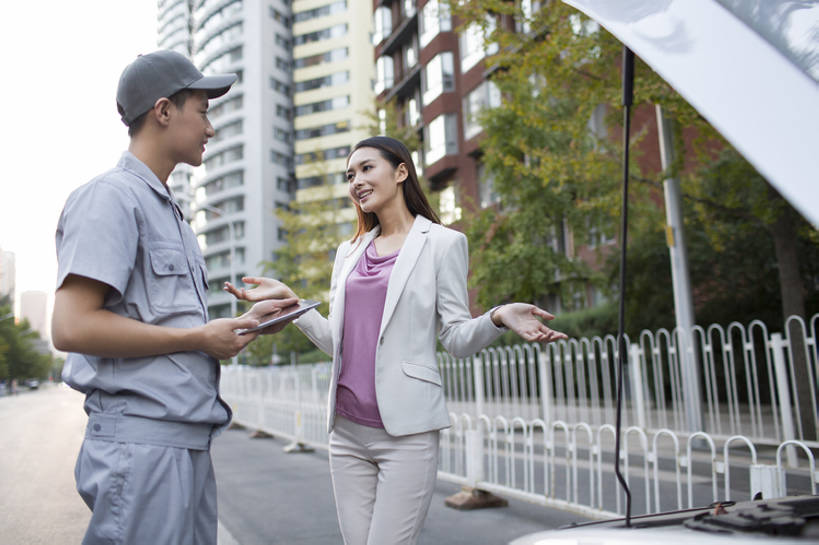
(219, 337)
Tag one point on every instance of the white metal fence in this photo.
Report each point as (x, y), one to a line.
(535, 423)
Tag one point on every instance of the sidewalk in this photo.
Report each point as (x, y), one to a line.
(269, 497)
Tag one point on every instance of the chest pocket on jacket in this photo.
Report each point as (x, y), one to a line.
(170, 288)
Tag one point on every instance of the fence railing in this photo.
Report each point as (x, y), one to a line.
(535, 422)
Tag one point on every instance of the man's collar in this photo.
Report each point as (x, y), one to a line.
(131, 163)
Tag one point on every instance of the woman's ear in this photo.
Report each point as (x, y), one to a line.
(401, 172)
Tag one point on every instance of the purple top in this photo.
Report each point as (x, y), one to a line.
(365, 293)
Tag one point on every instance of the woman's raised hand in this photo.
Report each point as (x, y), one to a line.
(265, 288)
(523, 319)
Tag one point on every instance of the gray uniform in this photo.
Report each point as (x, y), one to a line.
(144, 468)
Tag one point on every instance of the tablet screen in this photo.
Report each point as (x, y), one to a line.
(291, 313)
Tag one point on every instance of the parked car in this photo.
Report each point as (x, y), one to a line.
(32, 383)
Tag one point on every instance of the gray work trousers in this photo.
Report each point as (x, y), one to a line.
(382, 484)
(146, 494)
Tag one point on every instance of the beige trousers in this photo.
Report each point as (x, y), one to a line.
(382, 484)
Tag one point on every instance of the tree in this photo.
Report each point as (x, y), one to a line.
(315, 223)
(19, 357)
(553, 166)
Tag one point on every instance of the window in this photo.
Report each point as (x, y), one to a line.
(329, 9)
(413, 111)
(279, 158)
(434, 18)
(279, 86)
(486, 187)
(338, 78)
(222, 259)
(334, 31)
(276, 15)
(222, 234)
(230, 105)
(410, 55)
(384, 73)
(327, 179)
(282, 42)
(408, 8)
(226, 181)
(283, 184)
(439, 76)
(228, 206)
(224, 62)
(219, 17)
(224, 38)
(334, 55)
(282, 135)
(323, 130)
(448, 205)
(322, 155)
(323, 105)
(472, 44)
(283, 111)
(225, 156)
(282, 64)
(441, 138)
(485, 95)
(226, 131)
(382, 24)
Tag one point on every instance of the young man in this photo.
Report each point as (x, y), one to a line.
(131, 309)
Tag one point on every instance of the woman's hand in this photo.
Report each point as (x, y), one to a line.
(269, 309)
(265, 288)
(522, 318)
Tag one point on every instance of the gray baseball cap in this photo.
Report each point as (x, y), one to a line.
(161, 74)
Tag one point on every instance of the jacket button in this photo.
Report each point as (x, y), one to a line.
(170, 267)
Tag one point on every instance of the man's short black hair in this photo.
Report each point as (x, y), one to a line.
(178, 99)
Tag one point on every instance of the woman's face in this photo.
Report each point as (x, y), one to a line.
(373, 182)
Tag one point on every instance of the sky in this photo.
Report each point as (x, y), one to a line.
(60, 62)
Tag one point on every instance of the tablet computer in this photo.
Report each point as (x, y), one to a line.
(290, 313)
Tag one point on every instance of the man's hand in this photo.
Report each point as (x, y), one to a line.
(219, 338)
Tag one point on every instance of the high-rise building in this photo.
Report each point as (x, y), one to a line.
(8, 276)
(34, 308)
(333, 73)
(436, 76)
(248, 167)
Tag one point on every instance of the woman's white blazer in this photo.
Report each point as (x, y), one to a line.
(426, 300)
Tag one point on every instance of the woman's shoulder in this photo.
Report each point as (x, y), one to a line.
(445, 234)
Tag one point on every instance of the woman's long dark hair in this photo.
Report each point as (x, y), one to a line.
(396, 153)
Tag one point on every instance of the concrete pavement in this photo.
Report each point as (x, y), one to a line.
(265, 496)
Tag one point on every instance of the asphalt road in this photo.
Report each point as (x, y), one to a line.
(265, 496)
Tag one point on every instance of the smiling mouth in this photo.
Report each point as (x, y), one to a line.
(364, 194)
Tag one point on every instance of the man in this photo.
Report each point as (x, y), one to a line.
(131, 309)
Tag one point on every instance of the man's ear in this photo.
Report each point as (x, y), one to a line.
(162, 111)
(402, 172)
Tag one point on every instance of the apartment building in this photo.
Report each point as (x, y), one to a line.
(333, 73)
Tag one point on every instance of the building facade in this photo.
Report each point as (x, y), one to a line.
(34, 308)
(436, 78)
(333, 75)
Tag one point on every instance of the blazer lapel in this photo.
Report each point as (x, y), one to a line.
(404, 264)
(341, 286)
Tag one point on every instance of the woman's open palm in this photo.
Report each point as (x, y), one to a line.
(265, 288)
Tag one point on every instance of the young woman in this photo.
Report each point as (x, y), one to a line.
(396, 287)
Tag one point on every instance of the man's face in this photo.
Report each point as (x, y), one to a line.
(190, 129)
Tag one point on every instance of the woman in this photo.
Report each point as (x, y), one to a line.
(396, 287)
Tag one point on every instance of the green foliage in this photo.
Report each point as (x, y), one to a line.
(556, 172)
(19, 357)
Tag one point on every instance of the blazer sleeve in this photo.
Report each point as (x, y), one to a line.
(315, 326)
(460, 334)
